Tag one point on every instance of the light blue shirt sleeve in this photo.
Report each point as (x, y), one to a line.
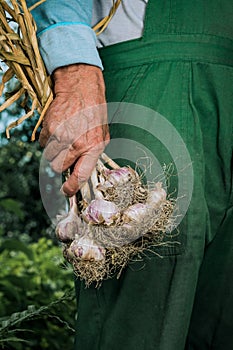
(64, 33)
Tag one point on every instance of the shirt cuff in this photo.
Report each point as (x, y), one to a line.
(64, 44)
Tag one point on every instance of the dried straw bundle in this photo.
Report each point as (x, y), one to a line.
(19, 51)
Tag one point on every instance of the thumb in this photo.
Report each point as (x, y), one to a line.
(81, 173)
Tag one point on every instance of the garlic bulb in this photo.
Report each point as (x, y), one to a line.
(87, 249)
(69, 226)
(101, 211)
(117, 177)
(135, 213)
(156, 195)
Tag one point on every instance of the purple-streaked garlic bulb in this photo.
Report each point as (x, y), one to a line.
(117, 177)
(87, 249)
(156, 195)
(100, 211)
(69, 226)
(135, 213)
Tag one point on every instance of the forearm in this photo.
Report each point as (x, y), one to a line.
(64, 33)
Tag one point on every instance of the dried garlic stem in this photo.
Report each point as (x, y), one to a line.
(12, 99)
(21, 54)
(109, 161)
(94, 181)
(101, 26)
(41, 117)
(73, 204)
(100, 166)
(36, 4)
(86, 193)
(5, 78)
(20, 120)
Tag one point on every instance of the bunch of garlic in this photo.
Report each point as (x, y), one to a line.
(110, 215)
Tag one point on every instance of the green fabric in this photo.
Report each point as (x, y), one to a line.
(183, 69)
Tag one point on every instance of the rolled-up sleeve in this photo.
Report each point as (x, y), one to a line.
(64, 33)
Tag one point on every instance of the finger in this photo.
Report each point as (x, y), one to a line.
(61, 139)
(63, 155)
(68, 156)
(53, 149)
(57, 164)
(81, 173)
(44, 136)
(106, 134)
(47, 131)
(89, 142)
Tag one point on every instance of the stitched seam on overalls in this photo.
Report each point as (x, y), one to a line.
(202, 34)
(135, 82)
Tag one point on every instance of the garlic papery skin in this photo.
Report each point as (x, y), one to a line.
(118, 177)
(156, 195)
(101, 211)
(87, 249)
(69, 226)
(135, 213)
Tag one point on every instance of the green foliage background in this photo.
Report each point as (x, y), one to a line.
(37, 303)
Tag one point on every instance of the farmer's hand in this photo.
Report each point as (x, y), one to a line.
(74, 132)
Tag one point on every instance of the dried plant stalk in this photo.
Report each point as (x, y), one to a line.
(102, 25)
(20, 52)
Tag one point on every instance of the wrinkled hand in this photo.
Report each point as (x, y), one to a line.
(75, 129)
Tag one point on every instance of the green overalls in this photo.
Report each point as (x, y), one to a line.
(182, 68)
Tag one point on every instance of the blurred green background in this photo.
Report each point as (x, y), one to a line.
(37, 303)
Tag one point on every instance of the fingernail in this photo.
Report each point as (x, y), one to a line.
(65, 193)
